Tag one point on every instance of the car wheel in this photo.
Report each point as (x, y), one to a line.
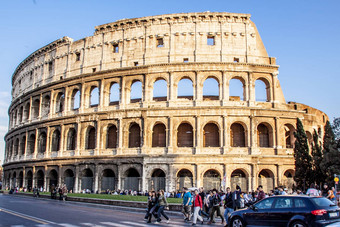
(298, 224)
(237, 222)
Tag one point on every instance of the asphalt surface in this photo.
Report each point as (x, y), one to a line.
(19, 211)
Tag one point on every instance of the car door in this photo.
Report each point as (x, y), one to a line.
(282, 211)
(259, 216)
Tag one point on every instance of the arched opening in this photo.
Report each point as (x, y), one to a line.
(114, 94)
(94, 97)
(21, 180)
(42, 142)
(238, 177)
(14, 180)
(288, 179)
(263, 136)
(159, 135)
(56, 140)
(211, 90)
(160, 90)
(40, 179)
(20, 114)
(87, 179)
(53, 176)
(31, 144)
(211, 135)
(185, 89)
(134, 136)
(23, 146)
(131, 180)
(16, 147)
(236, 89)
(69, 179)
(262, 90)
(157, 180)
(111, 137)
(45, 105)
(289, 135)
(75, 99)
(14, 117)
(27, 111)
(35, 108)
(237, 135)
(71, 139)
(29, 177)
(184, 179)
(211, 180)
(266, 179)
(185, 137)
(310, 140)
(136, 92)
(91, 138)
(59, 104)
(108, 180)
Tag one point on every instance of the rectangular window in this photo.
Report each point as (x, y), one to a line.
(211, 40)
(160, 42)
(77, 56)
(94, 70)
(185, 59)
(236, 60)
(136, 63)
(50, 67)
(115, 48)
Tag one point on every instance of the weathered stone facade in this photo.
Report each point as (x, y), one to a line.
(62, 132)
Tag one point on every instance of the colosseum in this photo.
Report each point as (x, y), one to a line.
(147, 103)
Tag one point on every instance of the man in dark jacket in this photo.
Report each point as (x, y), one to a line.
(236, 198)
(228, 205)
(261, 195)
(216, 201)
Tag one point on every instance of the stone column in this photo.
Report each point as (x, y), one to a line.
(276, 134)
(252, 136)
(46, 178)
(79, 134)
(274, 95)
(76, 181)
(251, 85)
(198, 90)
(40, 106)
(170, 135)
(33, 177)
(120, 136)
(24, 177)
(30, 110)
(119, 177)
(60, 174)
(226, 135)
(172, 90)
(96, 176)
(48, 145)
(101, 95)
(197, 135)
(36, 143)
(62, 138)
(225, 89)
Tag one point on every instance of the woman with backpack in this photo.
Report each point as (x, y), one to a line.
(216, 203)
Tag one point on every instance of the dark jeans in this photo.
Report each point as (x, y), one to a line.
(160, 213)
(213, 209)
(202, 212)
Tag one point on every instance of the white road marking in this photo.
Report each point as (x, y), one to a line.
(134, 223)
(91, 224)
(43, 225)
(17, 226)
(68, 225)
(31, 218)
(115, 224)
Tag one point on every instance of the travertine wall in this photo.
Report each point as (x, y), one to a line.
(196, 46)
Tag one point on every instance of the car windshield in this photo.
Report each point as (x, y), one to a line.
(322, 202)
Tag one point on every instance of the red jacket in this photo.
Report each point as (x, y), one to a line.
(197, 201)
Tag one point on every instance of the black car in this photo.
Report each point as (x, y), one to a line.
(291, 211)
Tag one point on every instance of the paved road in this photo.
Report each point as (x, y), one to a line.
(19, 211)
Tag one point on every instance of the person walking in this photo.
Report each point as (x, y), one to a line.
(152, 205)
(236, 198)
(197, 205)
(216, 202)
(162, 204)
(261, 195)
(228, 205)
(187, 203)
(204, 200)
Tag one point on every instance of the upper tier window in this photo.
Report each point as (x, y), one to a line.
(160, 42)
(211, 40)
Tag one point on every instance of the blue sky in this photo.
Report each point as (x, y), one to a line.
(303, 36)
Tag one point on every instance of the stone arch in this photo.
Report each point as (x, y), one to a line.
(184, 178)
(134, 135)
(29, 178)
(289, 136)
(239, 177)
(160, 89)
(136, 91)
(31, 143)
(59, 102)
(91, 137)
(185, 137)
(14, 179)
(310, 139)
(27, 111)
(46, 102)
(40, 178)
(53, 178)
(42, 142)
(23, 146)
(87, 179)
(35, 108)
(211, 88)
(211, 135)
(237, 91)
(71, 139)
(75, 99)
(69, 179)
(111, 136)
(183, 88)
(159, 135)
(114, 93)
(108, 180)
(264, 135)
(266, 179)
(237, 135)
(212, 179)
(56, 136)
(16, 147)
(262, 90)
(20, 179)
(158, 179)
(131, 179)
(94, 96)
(20, 114)
(288, 179)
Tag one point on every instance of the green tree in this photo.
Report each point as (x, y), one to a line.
(317, 174)
(336, 128)
(331, 161)
(303, 160)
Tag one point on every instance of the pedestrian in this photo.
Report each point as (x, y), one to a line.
(325, 190)
(64, 191)
(330, 195)
(204, 200)
(197, 205)
(216, 202)
(60, 191)
(312, 191)
(152, 205)
(261, 195)
(228, 205)
(187, 203)
(236, 198)
(162, 204)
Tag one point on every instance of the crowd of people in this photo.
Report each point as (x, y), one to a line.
(59, 189)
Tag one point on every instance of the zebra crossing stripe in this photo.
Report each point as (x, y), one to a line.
(68, 225)
(93, 225)
(114, 224)
(134, 223)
